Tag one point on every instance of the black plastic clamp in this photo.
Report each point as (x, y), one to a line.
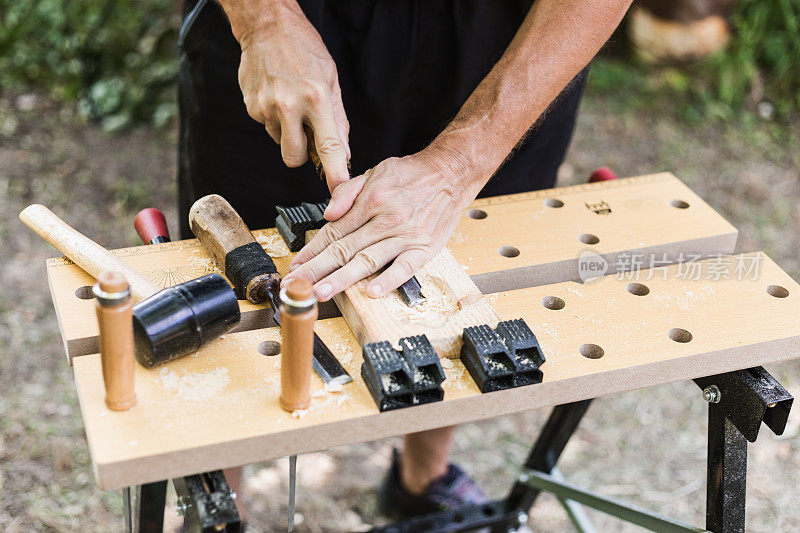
(501, 358)
(294, 222)
(397, 379)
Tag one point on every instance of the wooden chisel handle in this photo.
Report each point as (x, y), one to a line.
(223, 232)
(83, 251)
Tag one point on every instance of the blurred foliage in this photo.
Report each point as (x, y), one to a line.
(758, 71)
(763, 59)
(117, 58)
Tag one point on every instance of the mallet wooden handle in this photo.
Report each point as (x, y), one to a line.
(223, 232)
(83, 251)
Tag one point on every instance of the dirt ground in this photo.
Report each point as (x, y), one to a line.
(647, 446)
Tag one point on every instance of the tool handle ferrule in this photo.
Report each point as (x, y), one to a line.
(110, 299)
(297, 307)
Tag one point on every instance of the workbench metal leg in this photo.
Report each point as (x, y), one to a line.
(144, 510)
(727, 473)
(555, 434)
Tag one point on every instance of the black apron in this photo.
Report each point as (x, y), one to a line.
(405, 69)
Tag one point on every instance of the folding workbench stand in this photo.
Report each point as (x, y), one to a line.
(677, 222)
(738, 403)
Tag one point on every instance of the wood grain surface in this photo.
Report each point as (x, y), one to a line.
(218, 226)
(87, 254)
(220, 409)
(631, 216)
(452, 303)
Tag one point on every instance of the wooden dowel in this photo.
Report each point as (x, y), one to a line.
(114, 309)
(83, 251)
(298, 314)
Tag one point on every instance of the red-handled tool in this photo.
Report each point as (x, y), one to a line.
(151, 225)
(602, 174)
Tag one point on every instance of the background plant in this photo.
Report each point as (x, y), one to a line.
(116, 58)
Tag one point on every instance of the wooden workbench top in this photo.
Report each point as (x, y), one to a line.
(220, 409)
(503, 243)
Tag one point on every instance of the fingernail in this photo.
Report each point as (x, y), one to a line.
(323, 290)
(373, 290)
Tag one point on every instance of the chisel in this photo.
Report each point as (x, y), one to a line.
(254, 275)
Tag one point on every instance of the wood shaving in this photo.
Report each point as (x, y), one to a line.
(195, 386)
(273, 245)
(299, 413)
(204, 264)
(333, 387)
(433, 312)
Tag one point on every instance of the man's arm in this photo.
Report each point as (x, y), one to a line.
(289, 81)
(404, 210)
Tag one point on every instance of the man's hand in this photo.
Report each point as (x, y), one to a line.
(289, 80)
(403, 210)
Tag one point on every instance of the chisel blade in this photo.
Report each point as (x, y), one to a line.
(292, 485)
(324, 362)
(327, 366)
(411, 292)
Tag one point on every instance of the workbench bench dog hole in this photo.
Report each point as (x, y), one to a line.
(85, 292)
(679, 204)
(777, 291)
(553, 202)
(679, 335)
(508, 251)
(638, 289)
(269, 348)
(591, 351)
(553, 302)
(477, 214)
(588, 238)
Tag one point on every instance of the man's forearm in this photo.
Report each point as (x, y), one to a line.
(556, 40)
(249, 16)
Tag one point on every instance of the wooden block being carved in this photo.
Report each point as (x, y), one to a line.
(452, 303)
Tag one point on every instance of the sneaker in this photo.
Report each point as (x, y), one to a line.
(451, 491)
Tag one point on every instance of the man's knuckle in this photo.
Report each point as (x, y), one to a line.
(415, 232)
(312, 273)
(314, 94)
(340, 252)
(376, 199)
(329, 146)
(294, 159)
(285, 105)
(369, 260)
(331, 233)
(404, 266)
(395, 220)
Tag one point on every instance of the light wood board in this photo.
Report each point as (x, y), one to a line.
(220, 409)
(452, 303)
(642, 221)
